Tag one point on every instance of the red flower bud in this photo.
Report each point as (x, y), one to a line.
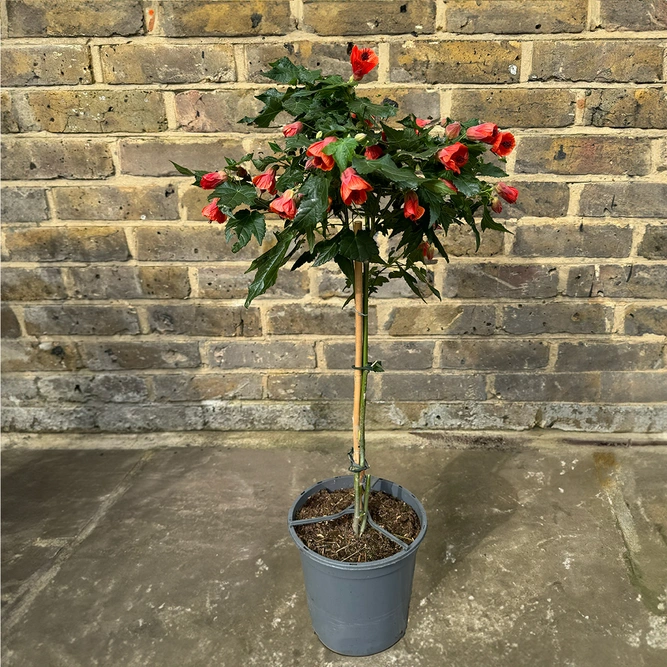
(292, 128)
(453, 130)
(450, 185)
(496, 205)
(362, 61)
(212, 212)
(373, 152)
(453, 157)
(411, 208)
(422, 122)
(212, 180)
(284, 206)
(427, 250)
(507, 192)
(319, 159)
(266, 181)
(353, 188)
(504, 144)
(486, 132)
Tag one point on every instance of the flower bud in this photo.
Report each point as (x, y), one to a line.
(453, 130)
(318, 135)
(360, 137)
(496, 205)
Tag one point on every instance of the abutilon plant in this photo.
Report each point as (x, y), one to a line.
(345, 174)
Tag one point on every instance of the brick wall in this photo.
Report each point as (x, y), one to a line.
(123, 307)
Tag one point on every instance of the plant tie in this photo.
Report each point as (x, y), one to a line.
(354, 466)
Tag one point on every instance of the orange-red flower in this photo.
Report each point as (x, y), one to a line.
(427, 250)
(411, 208)
(362, 61)
(450, 185)
(212, 212)
(504, 144)
(507, 192)
(284, 206)
(266, 181)
(373, 152)
(353, 188)
(317, 158)
(453, 130)
(486, 132)
(211, 180)
(291, 129)
(453, 157)
(422, 122)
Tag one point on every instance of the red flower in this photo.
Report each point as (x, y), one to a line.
(292, 128)
(373, 152)
(422, 122)
(453, 157)
(212, 180)
(453, 130)
(284, 206)
(411, 208)
(496, 205)
(504, 144)
(450, 185)
(507, 192)
(427, 250)
(353, 188)
(363, 61)
(266, 181)
(486, 132)
(212, 212)
(318, 158)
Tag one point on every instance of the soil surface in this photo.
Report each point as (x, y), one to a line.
(336, 539)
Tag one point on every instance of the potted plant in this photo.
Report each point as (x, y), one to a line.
(344, 176)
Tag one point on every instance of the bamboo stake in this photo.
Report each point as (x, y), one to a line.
(358, 351)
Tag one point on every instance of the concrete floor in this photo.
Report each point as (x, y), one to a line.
(539, 552)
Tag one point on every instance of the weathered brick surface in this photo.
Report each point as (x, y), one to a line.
(65, 18)
(493, 354)
(33, 284)
(634, 281)
(516, 107)
(25, 159)
(500, 281)
(204, 320)
(123, 306)
(45, 66)
(583, 240)
(116, 203)
(644, 15)
(252, 354)
(80, 320)
(654, 242)
(584, 155)
(599, 60)
(211, 386)
(112, 355)
(515, 16)
(58, 244)
(375, 17)
(331, 58)
(168, 63)
(154, 157)
(456, 62)
(600, 356)
(629, 200)
(224, 18)
(441, 319)
(627, 107)
(555, 317)
(24, 205)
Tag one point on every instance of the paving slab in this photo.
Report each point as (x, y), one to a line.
(536, 554)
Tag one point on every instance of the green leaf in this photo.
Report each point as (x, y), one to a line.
(304, 258)
(326, 250)
(343, 151)
(233, 194)
(359, 247)
(315, 202)
(489, 223)
(375, 367)
(433, 238)
(285, 71)
(183, 170)
(273, 105)
(346, 266)
(466, 184)
(488, 169)
(297, 104)
(402, 176)
(363, 107)
(267, 266)
(245, 224)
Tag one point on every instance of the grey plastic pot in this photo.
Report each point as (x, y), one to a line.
(359, 608)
